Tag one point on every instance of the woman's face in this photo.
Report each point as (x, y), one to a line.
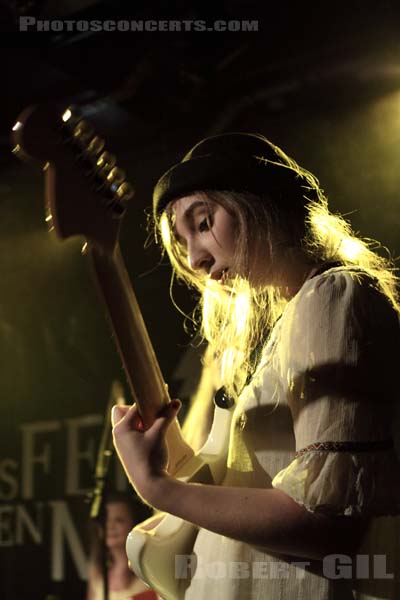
(119, 523)
(208, 232)
(210, 235)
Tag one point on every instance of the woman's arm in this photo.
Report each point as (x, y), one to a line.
(262, 517)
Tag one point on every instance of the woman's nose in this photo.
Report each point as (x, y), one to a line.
(199, 259)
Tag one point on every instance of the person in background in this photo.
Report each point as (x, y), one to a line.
(122, 514)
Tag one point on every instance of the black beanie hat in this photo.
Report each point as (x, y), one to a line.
(241, 162)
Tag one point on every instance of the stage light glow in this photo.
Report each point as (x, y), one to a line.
(17, 126)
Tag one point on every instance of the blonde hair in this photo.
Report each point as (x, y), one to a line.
(236, 318)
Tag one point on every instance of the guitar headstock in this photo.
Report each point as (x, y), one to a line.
(86, 192)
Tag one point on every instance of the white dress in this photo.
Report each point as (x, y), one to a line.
(327, 375)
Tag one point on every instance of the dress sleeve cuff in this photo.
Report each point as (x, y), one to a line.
(352, 483)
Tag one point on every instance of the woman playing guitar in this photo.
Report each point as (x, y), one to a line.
(302, 317)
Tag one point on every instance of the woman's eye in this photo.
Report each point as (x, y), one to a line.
(204, 225)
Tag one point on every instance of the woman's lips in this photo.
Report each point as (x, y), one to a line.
(221, 275)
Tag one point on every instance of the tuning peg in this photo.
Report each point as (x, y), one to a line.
(124, 192)
(82, 131)
(121, 197)
(95, 146)
(106, 161)
(70, 115)
(116, 176)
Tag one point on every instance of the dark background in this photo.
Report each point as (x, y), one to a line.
(321, 80)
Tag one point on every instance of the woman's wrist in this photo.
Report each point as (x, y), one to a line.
(158, 490)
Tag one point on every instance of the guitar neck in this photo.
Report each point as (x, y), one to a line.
(64, 146)
(136, 351)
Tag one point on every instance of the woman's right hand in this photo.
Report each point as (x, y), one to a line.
(143, 452)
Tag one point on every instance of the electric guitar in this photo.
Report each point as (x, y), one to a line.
(86, 194)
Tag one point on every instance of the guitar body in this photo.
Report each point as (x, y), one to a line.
(155, 551)
(152, 546)
(87, 195)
